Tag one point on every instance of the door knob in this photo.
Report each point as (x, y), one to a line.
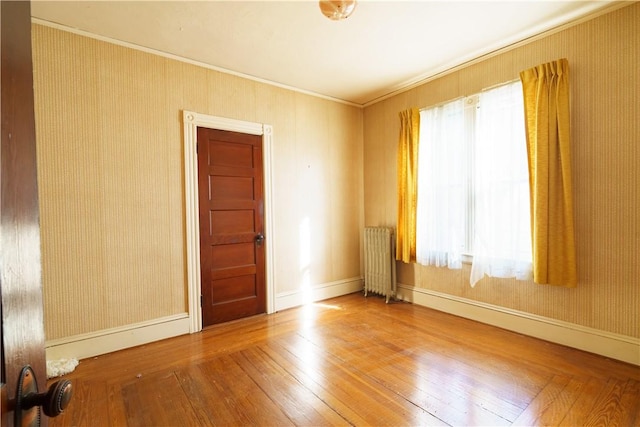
(53, 402)
(259, 239)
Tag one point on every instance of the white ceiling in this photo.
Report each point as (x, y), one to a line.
(383, 47)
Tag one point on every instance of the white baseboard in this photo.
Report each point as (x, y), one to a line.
(318, 293)
(615, 346)
(108, 340)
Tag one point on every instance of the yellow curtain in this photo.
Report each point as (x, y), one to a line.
(546, 100)
(407, 185)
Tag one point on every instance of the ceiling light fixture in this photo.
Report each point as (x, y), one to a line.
(337, 10)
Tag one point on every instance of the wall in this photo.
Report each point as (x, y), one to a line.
(604, 59)
(111, 176)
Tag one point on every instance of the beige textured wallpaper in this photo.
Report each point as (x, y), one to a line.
(110, 169)
(604, 58)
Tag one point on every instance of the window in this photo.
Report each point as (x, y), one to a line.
(473, 185)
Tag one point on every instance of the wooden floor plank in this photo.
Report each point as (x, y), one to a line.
(409, 377)
(157, 400)
(450, 405)
(240, 394)
(413, 349)
(378, 405)
(206, 396)
(471, 404)
(550, 407)
(630, 414)
(581, 409)
(311, 381)
(607, 409)
(297, 402)
(117, 407)
(504, 362)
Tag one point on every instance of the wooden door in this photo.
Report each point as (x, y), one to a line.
(20, 267)
(230, 185)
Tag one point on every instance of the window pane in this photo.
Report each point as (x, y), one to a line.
(441, 186)
(502, 238)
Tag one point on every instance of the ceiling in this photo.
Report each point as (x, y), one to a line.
(383, 47)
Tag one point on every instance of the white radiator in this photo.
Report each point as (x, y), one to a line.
(379, 262)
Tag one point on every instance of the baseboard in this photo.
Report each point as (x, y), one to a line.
(615, 346)
(318, 293)
(108, 340)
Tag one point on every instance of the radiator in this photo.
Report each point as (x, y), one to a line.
(379, 262)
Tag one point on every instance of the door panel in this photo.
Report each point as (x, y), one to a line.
(20, 266)
(231, 154)
(230, 188)
(234, 288)
(231, 217)
(233, 221)
(232, 256)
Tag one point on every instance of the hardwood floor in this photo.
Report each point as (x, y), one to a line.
(353, 361)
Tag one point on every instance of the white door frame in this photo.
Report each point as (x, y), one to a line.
(191, 122)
